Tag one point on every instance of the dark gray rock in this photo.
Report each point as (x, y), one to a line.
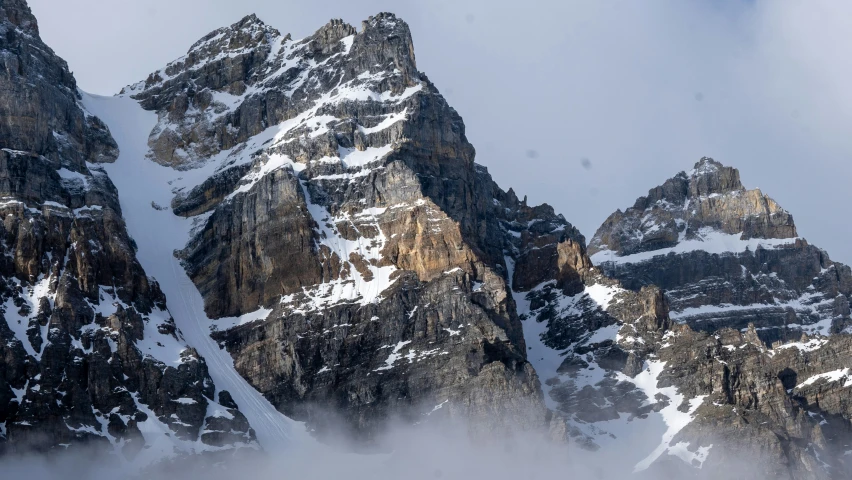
(83, 356)
(709, 243)
(378, 195)
(398, 281)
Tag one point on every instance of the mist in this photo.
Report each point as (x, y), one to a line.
(438, 450)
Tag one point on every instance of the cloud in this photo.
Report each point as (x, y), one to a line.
(425, 452)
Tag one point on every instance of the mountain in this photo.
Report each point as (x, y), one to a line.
(90, 354)
(726, 257)
(269, 235)
(348, 251)
(716, 371)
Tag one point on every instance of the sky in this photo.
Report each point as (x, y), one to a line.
(582, 105)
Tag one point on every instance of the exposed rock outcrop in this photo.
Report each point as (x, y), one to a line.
(88, 352)
(725, 256)
(335, 192)
(360, 269)
(613, 362)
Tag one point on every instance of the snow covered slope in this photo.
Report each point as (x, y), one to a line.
(142, 184)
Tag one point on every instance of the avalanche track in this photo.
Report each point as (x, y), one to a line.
(158, 233)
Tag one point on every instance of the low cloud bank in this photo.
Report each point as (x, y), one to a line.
(424, 452)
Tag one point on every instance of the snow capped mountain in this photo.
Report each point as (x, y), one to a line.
(739, 283)
(328, 215)
(726, 257)
(268, 237)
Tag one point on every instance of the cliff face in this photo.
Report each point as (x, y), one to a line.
(728, 266)
(725, 256)
(321, 243)
(89, 352)
(347, 248)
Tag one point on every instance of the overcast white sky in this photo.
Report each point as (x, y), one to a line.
(640, 89)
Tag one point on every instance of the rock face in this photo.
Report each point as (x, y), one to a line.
(88, 352)
(613, 362)
(624, 380)
(725, 256)
(339, 209)
(357, 268)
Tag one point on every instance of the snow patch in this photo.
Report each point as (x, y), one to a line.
(675, 419)
(809, 346)
(227, 323)
(829, 377)
(394, 356)
(19, 324)
(710, 241)
(601, 294)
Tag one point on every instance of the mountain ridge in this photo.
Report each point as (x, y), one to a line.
(328, 245)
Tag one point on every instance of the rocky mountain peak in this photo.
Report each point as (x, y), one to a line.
(248, 37)
(708, 241)
(395, 37)
(756, 315)
(386, 22)
(326, 38)
(706, 202)
(710, 177)
(249, 32)
(323, 186)
(245, 79)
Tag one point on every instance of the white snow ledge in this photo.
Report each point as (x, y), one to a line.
(712, 241)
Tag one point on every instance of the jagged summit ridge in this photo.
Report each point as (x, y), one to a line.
(709, 176)
(247, 78)
(247, 33)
